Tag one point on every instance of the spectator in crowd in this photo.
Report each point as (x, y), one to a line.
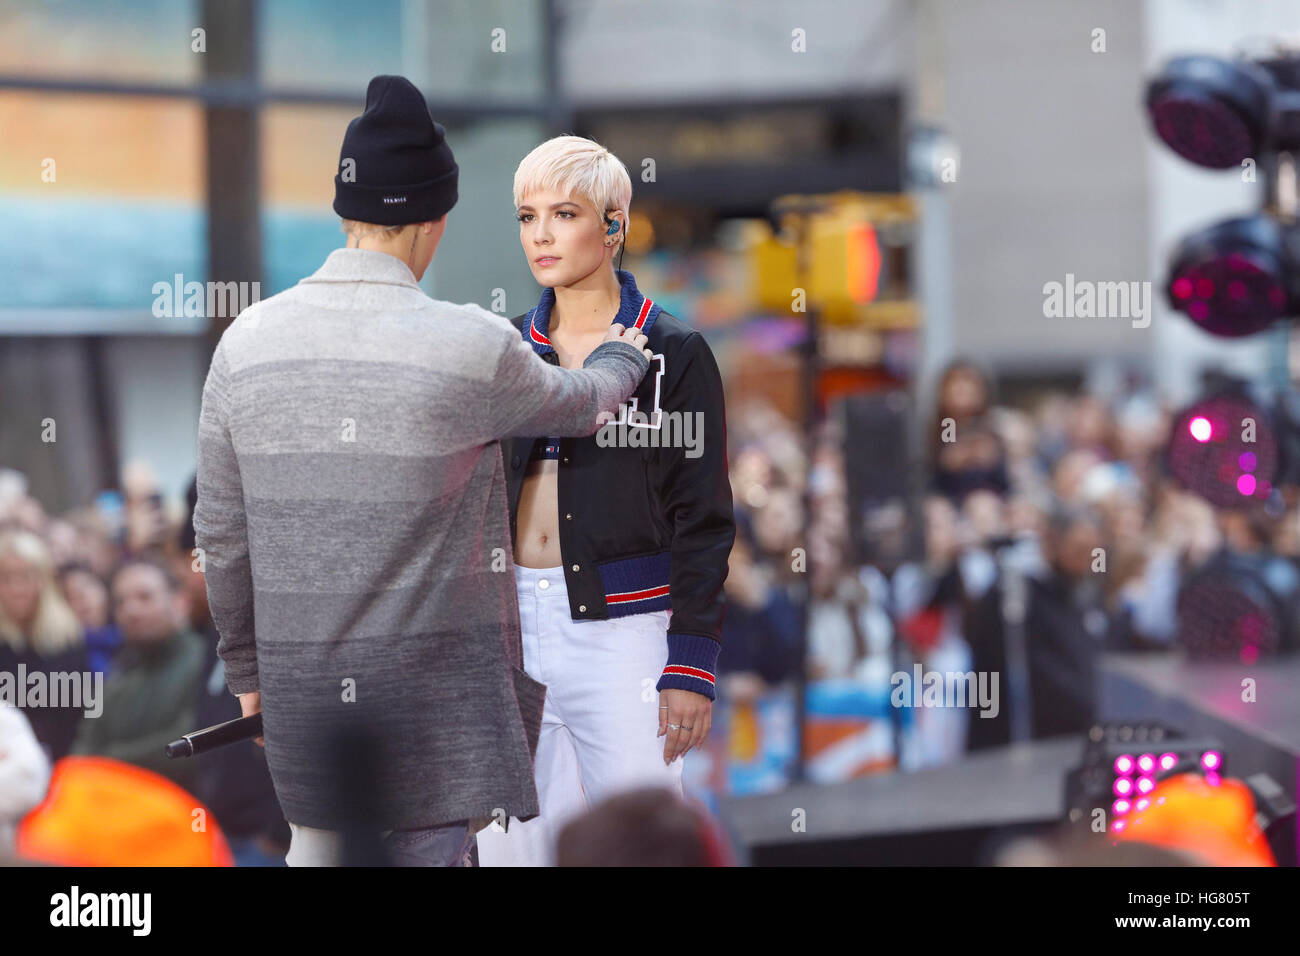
(848, 631)
(1069, 473)
(95, 546)
(19, 510)
(1051, 417)
(1090, 426)
(61, 539)
(40, 632)
(1027, 473)
(648, 826)
(1141, 429)
(760, 632)
(150, 698)
(87, 595)
(24, 773)
(930, 598)
(1065, 628)
(147, 530)
(965, 395)
(966, 451)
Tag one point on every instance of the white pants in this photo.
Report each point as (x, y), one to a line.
(601, 719)
(309, 846)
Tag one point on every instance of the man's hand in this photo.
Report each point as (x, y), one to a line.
(693, 715)
(617, 333)
(250, 704)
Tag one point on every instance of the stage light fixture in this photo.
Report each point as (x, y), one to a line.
(1110, 764)
(1211, 112)
(1224, 449)
(1235, 277)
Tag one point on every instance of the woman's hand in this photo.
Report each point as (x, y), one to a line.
(693, 715)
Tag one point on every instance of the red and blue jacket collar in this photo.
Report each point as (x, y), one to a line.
(635, 311)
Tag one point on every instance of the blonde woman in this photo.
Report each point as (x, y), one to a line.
(621, 538)
(39, 631)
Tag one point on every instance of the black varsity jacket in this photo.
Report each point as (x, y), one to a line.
(645, 504)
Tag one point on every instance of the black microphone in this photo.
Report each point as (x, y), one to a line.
(218, 735)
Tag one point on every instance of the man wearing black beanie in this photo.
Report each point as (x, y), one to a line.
(395, 169)
(350, 476)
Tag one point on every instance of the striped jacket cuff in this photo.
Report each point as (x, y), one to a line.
(692, 664)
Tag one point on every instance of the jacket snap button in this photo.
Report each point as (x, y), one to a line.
(568, 517)
(514, 462)
(582, 607)
(575, 567)
(566, 461)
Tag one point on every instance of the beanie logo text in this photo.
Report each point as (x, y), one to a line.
(393, 200)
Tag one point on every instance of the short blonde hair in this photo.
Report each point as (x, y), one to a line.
(359, 230)
(576, 166)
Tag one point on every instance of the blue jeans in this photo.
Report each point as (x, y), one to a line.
(247, 852)
(448, 845)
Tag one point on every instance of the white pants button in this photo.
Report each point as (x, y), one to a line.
(543, 584)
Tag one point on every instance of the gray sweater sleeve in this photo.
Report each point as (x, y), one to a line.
(221, 532)
(529, 396)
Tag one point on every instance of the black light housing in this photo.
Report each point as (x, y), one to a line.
(1211, 112)
(1229, 609)
(1236, 277)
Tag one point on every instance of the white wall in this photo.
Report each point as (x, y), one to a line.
(1053, 175)
(623, 52)
(1060, 172)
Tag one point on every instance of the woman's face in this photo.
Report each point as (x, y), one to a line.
(963, 393)
(986, 513)
(563, 239)
(1075, 550)
(1124, 516)
(88, 598)
(1071, 468)
(20, 589)
(777, 523)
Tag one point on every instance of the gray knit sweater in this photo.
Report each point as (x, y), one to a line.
(352, 519)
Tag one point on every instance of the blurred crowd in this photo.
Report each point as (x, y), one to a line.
(1045, 536)
(114, 590)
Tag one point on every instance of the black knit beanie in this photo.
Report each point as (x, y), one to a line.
(401, 168)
